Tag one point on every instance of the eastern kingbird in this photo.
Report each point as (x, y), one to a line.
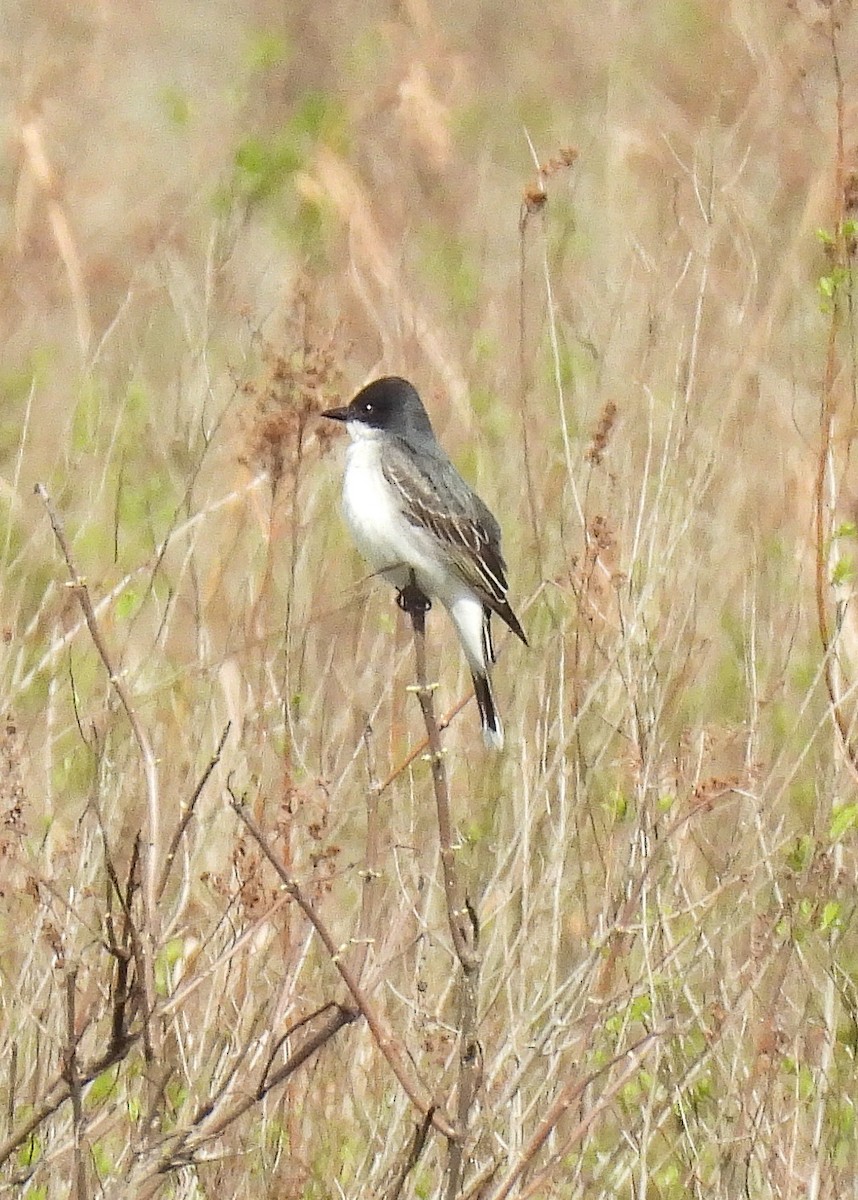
(417, 523)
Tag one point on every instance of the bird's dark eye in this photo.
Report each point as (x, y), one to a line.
(367, 408)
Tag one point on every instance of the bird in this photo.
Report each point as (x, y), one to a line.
(421, 526)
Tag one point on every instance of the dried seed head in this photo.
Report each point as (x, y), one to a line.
(601, 434)
(297, 381)
(535, 194)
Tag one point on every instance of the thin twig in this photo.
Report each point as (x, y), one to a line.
(825, 505)
(179, 1147)
(566, 1097)
(22, 685)
(188, 813)
(530, 488)
(824, 501)
(370, 875)
(150, 771)
(205, 1126)
(13, 1088)
(387, 1043)
(58, 1091)
(37, 161)
(418, 1143)
(71, 1074)
(121, 950)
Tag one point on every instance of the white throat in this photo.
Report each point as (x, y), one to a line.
(359, 432)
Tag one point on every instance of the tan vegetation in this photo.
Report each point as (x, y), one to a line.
(242, 953)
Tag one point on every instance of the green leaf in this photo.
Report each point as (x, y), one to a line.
(844, 571)
(266, 50)
(830, 915)
(842, 820)
(617, 805)
(801, 853)
(30, 1151)
(640, 1007)
(262, 166)
(102, 1086)
(176, 106)
(126, 604)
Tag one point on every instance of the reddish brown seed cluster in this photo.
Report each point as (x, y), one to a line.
(297, 381)
(536, 194)
(601, 434)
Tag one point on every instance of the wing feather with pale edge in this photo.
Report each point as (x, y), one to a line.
(438, 500)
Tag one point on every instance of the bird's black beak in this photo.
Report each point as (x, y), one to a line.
(337, 414)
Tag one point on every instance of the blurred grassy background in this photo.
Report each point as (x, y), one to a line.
(216, 220)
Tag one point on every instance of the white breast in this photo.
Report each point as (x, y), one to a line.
(389, 543)
(395, 548)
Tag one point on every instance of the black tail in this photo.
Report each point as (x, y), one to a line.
(489, 719)
(506, 614)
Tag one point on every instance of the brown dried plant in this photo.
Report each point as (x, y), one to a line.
(300, 376)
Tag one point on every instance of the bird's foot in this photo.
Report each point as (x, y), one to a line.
(412, 600)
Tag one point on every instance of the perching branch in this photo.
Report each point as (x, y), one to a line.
(464, 926)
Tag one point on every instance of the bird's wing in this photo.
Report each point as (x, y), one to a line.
(437, 499)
